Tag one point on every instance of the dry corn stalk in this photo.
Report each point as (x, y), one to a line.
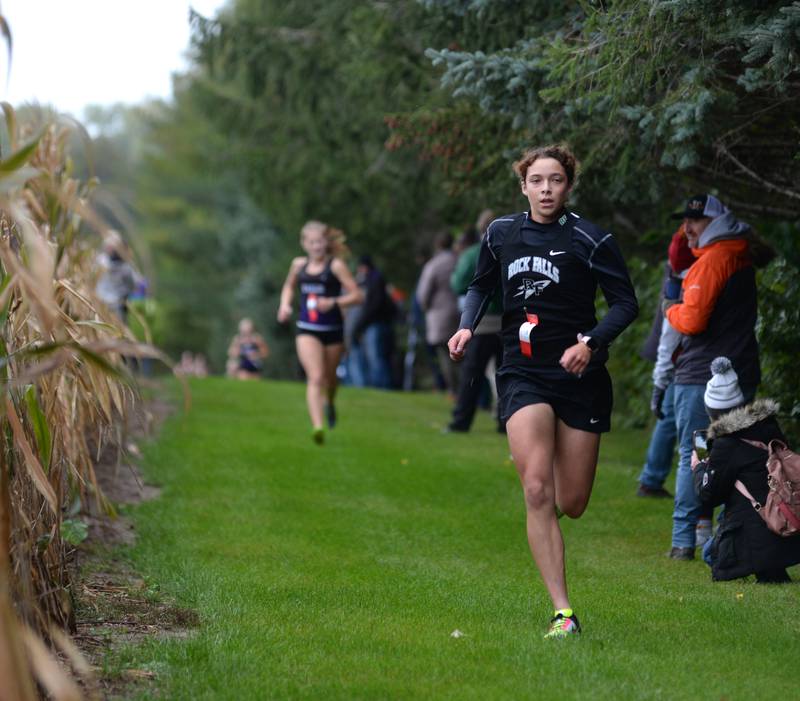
(65, 389)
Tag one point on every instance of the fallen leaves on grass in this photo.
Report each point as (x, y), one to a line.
(139, 674)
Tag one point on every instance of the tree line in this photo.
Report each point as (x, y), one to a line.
(397, 120)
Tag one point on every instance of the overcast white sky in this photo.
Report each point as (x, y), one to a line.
(70, 53)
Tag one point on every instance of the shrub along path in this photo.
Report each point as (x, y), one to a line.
(342, 572)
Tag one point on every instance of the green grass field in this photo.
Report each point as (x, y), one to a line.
(341, 572)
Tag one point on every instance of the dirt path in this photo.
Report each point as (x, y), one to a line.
(114, 604)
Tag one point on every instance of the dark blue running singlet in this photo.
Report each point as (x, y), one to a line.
(323, 284)
(250, 357)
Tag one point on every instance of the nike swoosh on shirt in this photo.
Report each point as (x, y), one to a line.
(594, 421)
(556, 253)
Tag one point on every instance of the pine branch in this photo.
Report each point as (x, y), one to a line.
(723, 150)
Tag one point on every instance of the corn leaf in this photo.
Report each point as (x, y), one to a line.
(100, 362)
(35, 470)
(15, 678)
(48, 671)
(73, 654)
(20, 157)
(3, 360)
(5, 30)
(11, 123)
(40, 427)
(5, 299)
(97, 325)
(16, 179)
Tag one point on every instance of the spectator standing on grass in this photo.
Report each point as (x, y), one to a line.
(743, 545)
(192, 365)
(143, 308)
(417, 334)
(440, 305)
(716, 317)
(373, 331)
(555, 392)
(353, 366)
(485, 345)
(469, 237)
(661, 347)
(186, 366)
(117, 280)
(200, 368)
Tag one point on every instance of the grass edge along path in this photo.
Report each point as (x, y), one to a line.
(342, 572)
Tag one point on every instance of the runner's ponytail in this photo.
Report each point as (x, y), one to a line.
(335, 238)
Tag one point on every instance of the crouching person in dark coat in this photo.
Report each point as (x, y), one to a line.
(743, 545)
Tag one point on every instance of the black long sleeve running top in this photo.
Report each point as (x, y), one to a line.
(552, 271)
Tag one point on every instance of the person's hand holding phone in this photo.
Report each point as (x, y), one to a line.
(699, 448)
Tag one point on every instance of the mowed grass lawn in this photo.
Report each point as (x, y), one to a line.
(341, 572)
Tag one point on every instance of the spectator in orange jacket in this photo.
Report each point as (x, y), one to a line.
(717, 317)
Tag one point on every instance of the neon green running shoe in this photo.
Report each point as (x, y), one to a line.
(318, 435)
(562, 626)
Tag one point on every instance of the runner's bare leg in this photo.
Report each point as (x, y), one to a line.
(311, 353)
(531, 437)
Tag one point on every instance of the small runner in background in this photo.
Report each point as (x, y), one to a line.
(326, 286)
(247, 352)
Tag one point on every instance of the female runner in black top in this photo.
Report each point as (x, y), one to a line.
(326, 286)
(554, 390)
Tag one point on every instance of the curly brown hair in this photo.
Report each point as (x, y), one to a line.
(561, 152)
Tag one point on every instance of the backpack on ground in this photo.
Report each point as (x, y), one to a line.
(781, 509)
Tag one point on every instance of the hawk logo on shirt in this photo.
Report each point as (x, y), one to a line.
(531, 287)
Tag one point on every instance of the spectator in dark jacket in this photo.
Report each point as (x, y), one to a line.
(716, 316)
(440, 305)
(373, 328)
(486, 344)
(743, 545)
(661, 348)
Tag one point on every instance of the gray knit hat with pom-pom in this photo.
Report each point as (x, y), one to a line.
(722, 390)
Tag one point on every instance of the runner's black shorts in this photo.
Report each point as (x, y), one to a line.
(326, 338)
(583, 402)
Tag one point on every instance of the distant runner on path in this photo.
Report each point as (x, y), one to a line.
(326, 286)
(554, 390)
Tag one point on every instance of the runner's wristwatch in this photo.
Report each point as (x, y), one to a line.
(590, 343)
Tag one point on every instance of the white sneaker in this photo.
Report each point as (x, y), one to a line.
(702, 532)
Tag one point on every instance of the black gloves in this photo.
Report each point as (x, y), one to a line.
(657, 400)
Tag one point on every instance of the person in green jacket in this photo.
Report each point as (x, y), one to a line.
(486, 343)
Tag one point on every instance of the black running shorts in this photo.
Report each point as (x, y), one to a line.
(580, 402)
(326, 338)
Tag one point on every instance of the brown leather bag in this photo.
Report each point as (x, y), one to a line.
(781, 510)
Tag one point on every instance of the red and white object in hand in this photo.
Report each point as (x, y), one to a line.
(525, 331)
(311, 305)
